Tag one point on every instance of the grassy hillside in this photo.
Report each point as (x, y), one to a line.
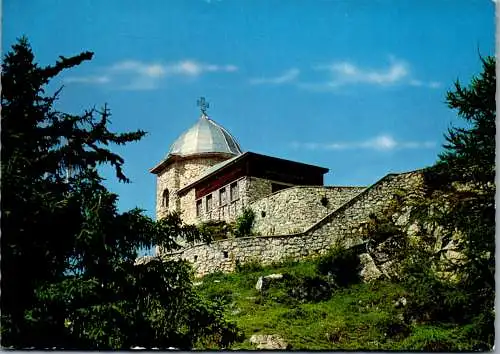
(353, 317)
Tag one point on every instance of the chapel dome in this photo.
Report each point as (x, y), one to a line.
(206, 136)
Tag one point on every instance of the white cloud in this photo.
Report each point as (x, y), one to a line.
(87, 79)
(419, 83)
(343, 73)
(194, 68)
(434, 84)
(286, 77)
(381, 143)
(139, 75)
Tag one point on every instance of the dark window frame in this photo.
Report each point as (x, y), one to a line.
(234, 191)
(199, 207)
(207, 206)
(165, 196)
(222, 196)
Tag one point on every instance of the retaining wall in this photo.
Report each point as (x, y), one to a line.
(340, 226)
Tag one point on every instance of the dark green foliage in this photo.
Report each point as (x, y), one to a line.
(461, 199)
(431, 299)
(470, 152)
(217, 229)
(67, 254)
(380, 227)
(244, 223)
(308, 288)
(342, 265)
(249, 267)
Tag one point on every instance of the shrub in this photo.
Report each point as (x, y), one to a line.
(219, 230)
(249, 267)
(393, 325)
(244, 223)
(224, 296)
(433, 339)
(309, 289)
(341, 265)
(295, 289)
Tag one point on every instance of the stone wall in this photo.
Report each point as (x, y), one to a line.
(223, 255)
(341, 226)
(228, 211)
(256, 188)
(176, 176)
(249, 190)
(293, 210)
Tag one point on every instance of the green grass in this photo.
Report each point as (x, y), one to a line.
(358, 317)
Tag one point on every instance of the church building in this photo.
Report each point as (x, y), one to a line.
(207, 176)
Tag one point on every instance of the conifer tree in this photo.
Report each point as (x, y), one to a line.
(461, 200)
(69, 278)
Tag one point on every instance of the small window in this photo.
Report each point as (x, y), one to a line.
(222, 196)
(209, 203)
(234, 191)
(226, 254)
(164, 198)
(198, 207)
(195, 258)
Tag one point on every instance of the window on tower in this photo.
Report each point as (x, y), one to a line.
(165, 198)
(198, 207)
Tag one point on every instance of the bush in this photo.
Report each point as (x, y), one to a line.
(223, 296)
(309, 289)
(249, 267)
(341, 265)
(394, 326)
(433, 339)
(244, 223)
(295, 289)
(219, 230)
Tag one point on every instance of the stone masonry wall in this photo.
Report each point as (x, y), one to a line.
(293, 210)
(343, 224)
(340, 226)
(176, 176)
(228, 211)
(249, 189)
(256, 188)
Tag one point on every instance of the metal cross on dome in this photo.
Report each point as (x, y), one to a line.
(203, 104)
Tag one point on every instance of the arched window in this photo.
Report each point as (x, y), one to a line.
(164, 198)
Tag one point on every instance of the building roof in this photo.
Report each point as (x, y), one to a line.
(206, 136)
(215, 169)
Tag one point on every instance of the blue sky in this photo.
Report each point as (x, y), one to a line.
(354, 86)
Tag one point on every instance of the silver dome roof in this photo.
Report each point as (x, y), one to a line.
(204, 137)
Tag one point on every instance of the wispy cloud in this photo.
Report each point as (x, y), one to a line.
(431, 84)
(88, 79)
(381, 143)
(139, 75)
(183, 68)
(286, 77)
(343, 73)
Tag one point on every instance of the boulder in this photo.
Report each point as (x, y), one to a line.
(263, 341)
(369, 272)
(263, 282)
(143, 260)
